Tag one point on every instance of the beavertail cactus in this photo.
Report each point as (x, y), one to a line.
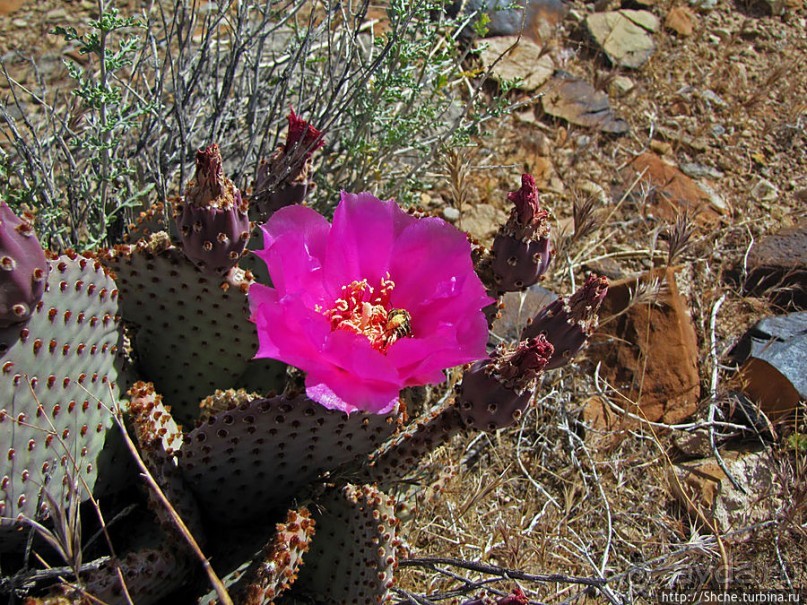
(285, 178)
(212, 219)
(256, 457)
(23, 268)
(59, 370)
(520, 253)
(355, 553)
(277, 570)
(568, 322)
(494, 393)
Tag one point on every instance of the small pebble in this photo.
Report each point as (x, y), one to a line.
(699, 171)
(764, 191)
(451, 214)
(620, 86)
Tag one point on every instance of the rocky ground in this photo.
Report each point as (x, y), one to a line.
(667, 456)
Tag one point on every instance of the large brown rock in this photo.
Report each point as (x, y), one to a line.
(649, 351)
(577, 102)
(778, 263)
(515, 58)
(625, 36)
(671, 191)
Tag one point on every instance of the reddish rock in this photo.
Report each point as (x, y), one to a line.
(576, 101)
(681, 20)
(778, 263)
(649, 352)
(671, 191)
(8, 7)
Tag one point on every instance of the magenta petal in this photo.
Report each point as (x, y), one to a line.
(431, 266)
(362, 238)
(421, 360)
(337, 391)
(429, 262)
(356, 373)
(287, 329)
(295, 240)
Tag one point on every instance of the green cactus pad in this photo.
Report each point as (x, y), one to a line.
(59, 371)
(159, 438)
(270, 572)
(400, 456)
(193, 334)
(355, 552)
(150, 575)
(254, 458)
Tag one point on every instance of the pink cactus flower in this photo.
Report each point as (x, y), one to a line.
(376, 302)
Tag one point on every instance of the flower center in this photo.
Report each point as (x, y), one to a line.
(365, 310)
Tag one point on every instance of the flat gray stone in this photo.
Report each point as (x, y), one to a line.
(523, 61)
(625, 36)
(576, 101)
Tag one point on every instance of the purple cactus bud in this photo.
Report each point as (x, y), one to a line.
(285, 178)
(212, 219)
(521, 250)
(23, 267)
(495, 392)
(568, 322)
(516, 598)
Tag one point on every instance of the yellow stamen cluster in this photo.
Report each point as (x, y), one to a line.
(365, 310)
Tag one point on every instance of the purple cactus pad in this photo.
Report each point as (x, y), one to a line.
(23, 268)
(521, 250)
(494, 393)
(568, 322)
(285, 178)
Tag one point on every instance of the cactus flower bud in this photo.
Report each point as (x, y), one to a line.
(23, 268)
(517, 597)
(520, 250)
(212, 219)
(494, 393)
(568, 322)
(285, 178)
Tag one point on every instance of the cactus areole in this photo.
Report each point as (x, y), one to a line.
(376, 302)
(212, 219)
(23, 268)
